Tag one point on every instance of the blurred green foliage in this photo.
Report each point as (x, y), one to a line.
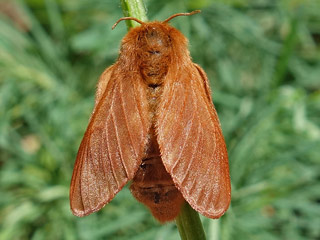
(263, 60)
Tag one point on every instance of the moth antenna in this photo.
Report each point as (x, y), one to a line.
(126, 18)
(181, 14)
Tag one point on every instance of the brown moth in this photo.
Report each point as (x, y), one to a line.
(153, 123)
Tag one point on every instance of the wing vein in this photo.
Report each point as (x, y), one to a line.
(95, 168)
(109, 154)
(193, 154)
(187, 133)
(102, 158)
(118, 144)
(189, 125)
(126, 121)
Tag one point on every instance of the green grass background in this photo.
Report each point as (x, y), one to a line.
(263, 61)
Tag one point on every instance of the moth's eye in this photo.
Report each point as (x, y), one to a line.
(154, 52)
(143, 166)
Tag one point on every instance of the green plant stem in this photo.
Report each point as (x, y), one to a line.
(189, 224)
(134, 8)
(188, 221)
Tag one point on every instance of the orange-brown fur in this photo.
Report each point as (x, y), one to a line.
(153, 123)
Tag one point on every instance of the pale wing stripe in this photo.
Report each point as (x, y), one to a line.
(217, 197)
(107, 139)
(119, 145)
(91, 164)
(103, 159)
(193, 184)
(186, 135)
(203, 199)
(96, 164)
(207, 200)
(189, 126)
(126, 121)
(108, 150)
(93, 171)
(193, 155)
(107, 165)
(198, 138)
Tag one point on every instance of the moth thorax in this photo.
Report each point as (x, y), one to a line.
(155, 51)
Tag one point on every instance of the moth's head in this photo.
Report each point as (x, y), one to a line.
(152, 37)
(152, 47)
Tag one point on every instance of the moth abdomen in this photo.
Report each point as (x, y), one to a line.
(153, 186)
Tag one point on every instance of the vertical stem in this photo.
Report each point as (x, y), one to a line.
(189, 224)
(133, 8)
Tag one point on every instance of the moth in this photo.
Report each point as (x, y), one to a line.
(154, 123)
